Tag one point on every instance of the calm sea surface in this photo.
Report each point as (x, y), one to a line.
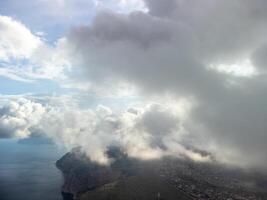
(28, 172)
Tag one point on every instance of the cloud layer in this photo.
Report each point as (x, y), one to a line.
(212, 54)
(195, 50)
(146, 132)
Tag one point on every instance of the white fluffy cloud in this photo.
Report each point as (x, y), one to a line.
(96, 130)
(24, 56)
(16, 41)
(18, 117)
(151, 132)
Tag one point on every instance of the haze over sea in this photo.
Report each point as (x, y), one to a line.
(28, 172)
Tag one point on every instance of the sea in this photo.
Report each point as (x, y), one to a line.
(28, 171)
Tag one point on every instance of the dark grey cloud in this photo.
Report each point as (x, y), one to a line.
(137, 28)
(259, 58)
(159, 121)
(161, 8)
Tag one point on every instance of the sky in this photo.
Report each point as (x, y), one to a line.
(154, 77)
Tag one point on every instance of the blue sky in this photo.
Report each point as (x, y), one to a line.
(9, 87)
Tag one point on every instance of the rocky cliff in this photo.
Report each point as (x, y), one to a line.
(81, 174)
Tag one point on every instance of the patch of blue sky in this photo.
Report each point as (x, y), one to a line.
(90, 100)
(51, 17)
(13, 87)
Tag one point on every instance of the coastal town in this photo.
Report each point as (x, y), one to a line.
(204, 182)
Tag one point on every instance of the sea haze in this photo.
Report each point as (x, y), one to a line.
(27, 171)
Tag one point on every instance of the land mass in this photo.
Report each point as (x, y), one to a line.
(168, 178)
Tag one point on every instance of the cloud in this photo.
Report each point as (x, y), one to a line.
(95, 130)
(12, 74)
(16, 41)
(24, 56)
(210, 53)
(161, 8)
(18, 117)
(259, 58)
(140, 45)
(56, 16)
(123, 6)
(170, 50)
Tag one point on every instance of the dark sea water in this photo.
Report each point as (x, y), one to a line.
(28, 172)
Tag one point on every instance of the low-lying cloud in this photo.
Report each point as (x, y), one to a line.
(149, 132)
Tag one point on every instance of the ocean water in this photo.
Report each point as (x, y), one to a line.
(28, 172)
